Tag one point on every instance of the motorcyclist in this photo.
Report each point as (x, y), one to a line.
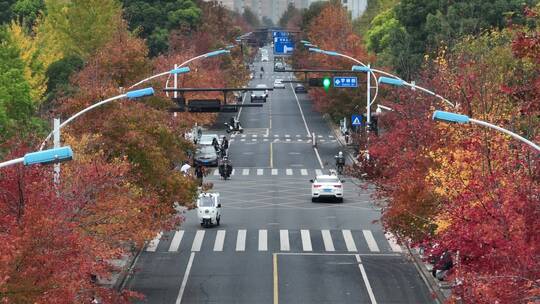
(262, 69)
(225, 168)
(340, 161)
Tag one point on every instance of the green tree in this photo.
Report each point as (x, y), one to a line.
(5, 11)
(16, 105)
(266, 21)
(251, 18)
(58, 75)
(27, 12)
(154, 20)
(288, 15)
(423, 26)
(79, 27)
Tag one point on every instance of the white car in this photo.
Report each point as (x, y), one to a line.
(209, 209)
(278, 83)
(264, 58)
(327, 186)
(206, 139)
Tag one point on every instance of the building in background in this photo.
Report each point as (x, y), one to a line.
(273, 9)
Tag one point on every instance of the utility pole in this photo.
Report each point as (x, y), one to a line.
(56, 141)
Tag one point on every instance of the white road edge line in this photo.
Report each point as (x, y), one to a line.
(364, 276)
(184, 280)
(305, 124)
(301, 112)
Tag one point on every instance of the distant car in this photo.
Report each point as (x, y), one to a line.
(259, 95)
(279, 66)
(278, 83)
(206, 156)
(300, 88)
(264, 58)
(206, 139)
(326, 186)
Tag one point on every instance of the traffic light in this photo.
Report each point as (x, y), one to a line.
(373, 125)
(326, 83)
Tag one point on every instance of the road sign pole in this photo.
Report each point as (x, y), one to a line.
(368, 109)
(175, 94)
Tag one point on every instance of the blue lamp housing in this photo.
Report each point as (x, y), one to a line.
(450, 117)
(140, 93)
(50, 156)
(217, 53)
(392, 81)
(360, 68)
(181, 70)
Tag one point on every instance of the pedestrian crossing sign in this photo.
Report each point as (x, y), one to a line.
(356, 120)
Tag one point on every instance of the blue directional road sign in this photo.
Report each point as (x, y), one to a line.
(345, 82)
(280, 34)
(356, 120)
(283, 45)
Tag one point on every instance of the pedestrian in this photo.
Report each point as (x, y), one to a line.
(185, 168)
(199, 173)
(224, 144)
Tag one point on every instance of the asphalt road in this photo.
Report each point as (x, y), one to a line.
(274, 245)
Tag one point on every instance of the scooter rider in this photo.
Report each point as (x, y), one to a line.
(340, 161)
(225, 168)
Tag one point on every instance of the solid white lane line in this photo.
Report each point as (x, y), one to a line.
(289, 171)
(318, 157)
(392, 241)
(152, 246)
(241, 240)
(274, 171)
(263, 240)
(366, 281)
(284, 240)
(301, 112)
(370, 241)
(303, 172)
(220, 240)
(197, 242)
(306, 240)
(175, 243)
(260, 171)
(245, 172)
(349, 241)
(327, 240)
(184, 280)
(318, 172)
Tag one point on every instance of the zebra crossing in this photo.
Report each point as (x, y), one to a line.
(264, 240)
(272, 172)
(277, 138)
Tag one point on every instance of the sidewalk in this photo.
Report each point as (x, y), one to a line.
(440, 290)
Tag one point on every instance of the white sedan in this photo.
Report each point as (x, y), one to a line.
(278, 83)
(327, 186)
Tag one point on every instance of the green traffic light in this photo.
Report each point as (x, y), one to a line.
(326, 83)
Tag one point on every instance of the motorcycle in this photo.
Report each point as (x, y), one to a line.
(225, 170)
(340, 163)
(231, 128)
